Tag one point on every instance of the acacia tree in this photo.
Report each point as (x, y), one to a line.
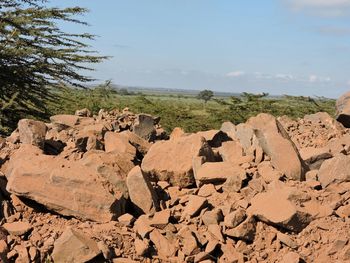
(36, 57)
(205, 95)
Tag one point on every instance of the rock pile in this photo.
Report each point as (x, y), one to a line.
(115, 188)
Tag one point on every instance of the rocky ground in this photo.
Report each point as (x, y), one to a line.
(115, 188)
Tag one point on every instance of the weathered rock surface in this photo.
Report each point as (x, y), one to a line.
(343, 110)
(172, 160)
(68, 188)
(141, 192)
(335, 170)
(274, 208)
(276, 143)
(73, 246)
(32, 132)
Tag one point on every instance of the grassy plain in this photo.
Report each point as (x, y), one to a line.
(187, 111)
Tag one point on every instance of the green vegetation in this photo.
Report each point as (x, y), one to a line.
(36, 54)
(205, 95)
(187, 111)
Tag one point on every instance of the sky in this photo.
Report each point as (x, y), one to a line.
(294, 47)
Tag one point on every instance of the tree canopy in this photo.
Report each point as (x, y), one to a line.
(36, 57)
(205, 95)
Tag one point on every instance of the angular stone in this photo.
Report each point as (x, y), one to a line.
(126, 219)
(111, 167)
(144, 126)
(215, 172)
(287, 240)
(231, 152)
(268, 173)
(188, 240)
(32, 132)
(343, 110)
(141, 247)
(314, 157)
(141, 192)
(161, 219)
(143, 226)
(335, 170)
(66, 187)
(74, 246)
(234, 218)
(276, 143)
(116, 142)
(141, 145)
(164, 247)
(207, 190)
(229, 128)
(177, 132)
(194, 205)
(244, 231)
(291, 257)
(66, 120)
(234, 181)
(17, 228)
(213, 217)
(274, 208)
(215, 138)
(172, 160)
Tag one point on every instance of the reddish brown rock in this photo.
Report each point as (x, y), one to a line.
(66, 187)
(276, 143)
(274, 208)
(141, 192)
(314, 157)
(194, 205)
(172, 160)
(335, 170)
(32, 132)
(117, 142)
(66, 120)
(231, 152)
(164, 247)
(73, 246)
(17, 228)
(215, 172)
(343, 110)
(235, 181)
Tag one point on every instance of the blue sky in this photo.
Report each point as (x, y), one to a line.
(296, 47)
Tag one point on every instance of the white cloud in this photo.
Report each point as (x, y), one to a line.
(322, 7)
(260, 75)
(284, 76)
(315, 78)
(348, 83)
(235, 74)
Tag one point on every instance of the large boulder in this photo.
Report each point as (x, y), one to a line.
(276, 143)
(172, 160)
(117, 142)
(335, 170)
(141, 192)
(32, 132)
(216, 172)
(275, 208)
(69, 188)
(343, 110)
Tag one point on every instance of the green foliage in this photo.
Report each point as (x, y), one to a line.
(36, 54)
(188, 112)
(205, 95)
